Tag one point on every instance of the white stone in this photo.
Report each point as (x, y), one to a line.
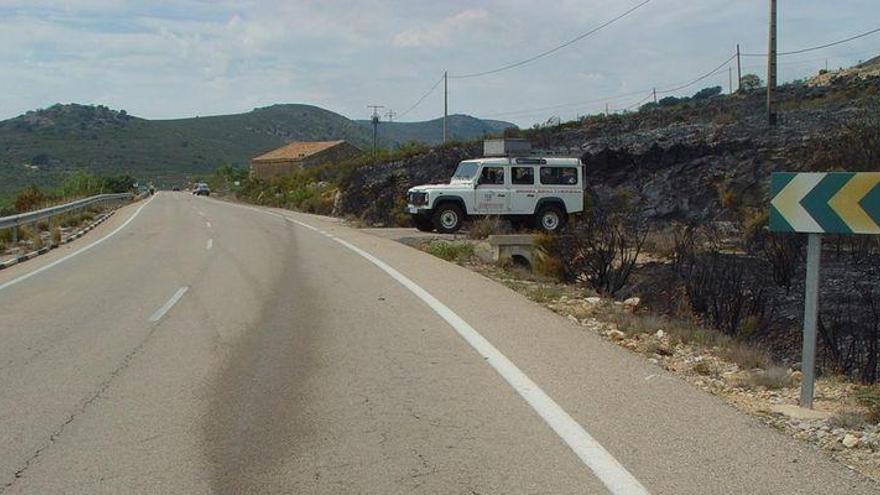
(616, 335)
(632, 302)
(593, 300)
(660, 334)
(850, 441)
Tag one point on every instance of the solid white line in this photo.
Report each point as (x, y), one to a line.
(613, 475)
(169, 304)
(609, 470)
(210, 244)
(80, 251)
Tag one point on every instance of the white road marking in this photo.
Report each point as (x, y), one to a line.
(208, 224)
(210, 244)
(169, 304)
(609, 470)
(75, 253)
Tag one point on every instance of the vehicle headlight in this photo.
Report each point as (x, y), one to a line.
(417, 198)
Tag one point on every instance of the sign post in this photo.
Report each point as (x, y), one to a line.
(811, 313)
(816, 204)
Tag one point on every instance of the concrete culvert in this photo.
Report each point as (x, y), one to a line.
(521, 261)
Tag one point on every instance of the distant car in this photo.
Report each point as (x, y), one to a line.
(202, 189)
(175, 188)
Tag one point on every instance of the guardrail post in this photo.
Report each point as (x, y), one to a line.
(15, 234)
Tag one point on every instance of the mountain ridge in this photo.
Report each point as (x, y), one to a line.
(42, 146)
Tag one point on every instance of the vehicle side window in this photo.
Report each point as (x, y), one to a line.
(492, 175)
(522, 175)
(559, 176)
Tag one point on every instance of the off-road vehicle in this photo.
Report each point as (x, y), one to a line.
(541, 190)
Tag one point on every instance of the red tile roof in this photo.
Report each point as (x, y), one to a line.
(295, 151)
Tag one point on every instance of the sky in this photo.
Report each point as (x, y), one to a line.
(183, 58)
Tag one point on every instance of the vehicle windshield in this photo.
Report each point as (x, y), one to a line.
(466, 170)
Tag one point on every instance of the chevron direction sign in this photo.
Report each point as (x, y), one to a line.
(825, 203)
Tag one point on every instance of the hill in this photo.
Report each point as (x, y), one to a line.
(460, 128)
(43, 146)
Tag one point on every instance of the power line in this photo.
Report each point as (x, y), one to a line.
(419, 102)
(695, 81)
(814, 48)
(615, 97)
(554, 49)
(640, 102)
(564, 105)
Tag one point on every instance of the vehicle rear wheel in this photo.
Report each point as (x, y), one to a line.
(448, 218)
(423, 223)
(550, 219)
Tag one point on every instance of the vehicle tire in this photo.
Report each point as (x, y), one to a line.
(550, 219)
(448, 218)
(423, 223)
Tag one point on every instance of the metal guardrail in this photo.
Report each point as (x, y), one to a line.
(15, 221)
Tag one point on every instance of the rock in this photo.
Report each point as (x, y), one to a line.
(850, 441)
(593, 300)
(632, 302)
(660, 334)
(573, 319)
(796, 376)
(799, 413)
(615, 335)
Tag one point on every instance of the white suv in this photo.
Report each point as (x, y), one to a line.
(541, 190)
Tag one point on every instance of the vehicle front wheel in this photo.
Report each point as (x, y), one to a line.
(550, 219)
(448, 218)
(423, 223)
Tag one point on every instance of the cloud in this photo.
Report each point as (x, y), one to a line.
(442, 32)
(179, 58)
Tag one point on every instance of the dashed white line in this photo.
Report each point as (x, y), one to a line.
(210, 244)
(75, 253)
(609, 470)
(169, 304)
(208, 224)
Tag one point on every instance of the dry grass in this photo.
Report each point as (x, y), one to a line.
(56, 235)
(773, 378)
(869, 398)
(746, 356)
(849, 419)
(485, 226)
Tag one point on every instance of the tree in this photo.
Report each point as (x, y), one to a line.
(750, 82)
(707, 93)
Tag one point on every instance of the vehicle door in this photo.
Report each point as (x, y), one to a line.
(523, 193)
(492, 195)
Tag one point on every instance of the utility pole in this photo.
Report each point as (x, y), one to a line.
(771, 66)
(655, 96)
(739, 70)
(375, 120)
(391, 113)
(730, 78)
(445, 104)
(606, 109)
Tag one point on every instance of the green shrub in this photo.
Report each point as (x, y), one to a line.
(451, 251)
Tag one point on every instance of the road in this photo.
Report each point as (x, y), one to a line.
(206, 347)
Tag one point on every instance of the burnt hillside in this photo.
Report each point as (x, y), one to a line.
(697, 160)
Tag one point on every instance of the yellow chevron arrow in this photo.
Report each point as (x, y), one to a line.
(788, 202)
(846, 203)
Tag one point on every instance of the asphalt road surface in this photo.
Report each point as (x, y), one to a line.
(206, 347)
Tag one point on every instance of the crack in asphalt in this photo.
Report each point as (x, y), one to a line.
(102, 387)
